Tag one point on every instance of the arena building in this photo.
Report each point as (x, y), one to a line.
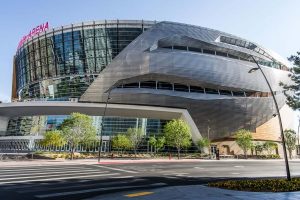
(144, 73)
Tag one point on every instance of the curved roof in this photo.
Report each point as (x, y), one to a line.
(208, 35)
(213, 37)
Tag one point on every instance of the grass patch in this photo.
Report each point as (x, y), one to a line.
(260, 185)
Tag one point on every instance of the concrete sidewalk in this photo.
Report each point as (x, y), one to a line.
(106, 161)
(103, 161)
(198, 192)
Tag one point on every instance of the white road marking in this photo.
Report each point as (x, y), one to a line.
(58, 178)
(41, 168)
(239, 166)
(198, 167)
(182, 174)
(94, 190)
(117, 169)
(30, 190)
(60, 172)
(66, 173)
(235, 173)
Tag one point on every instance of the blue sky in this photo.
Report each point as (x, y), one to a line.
(271, 23)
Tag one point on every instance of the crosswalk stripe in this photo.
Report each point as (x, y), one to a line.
(97, 184)
(117, 169)
(58, 178)
(66, 173)
(55, 172)
(40, 168)
(94, 190)
(23, 188)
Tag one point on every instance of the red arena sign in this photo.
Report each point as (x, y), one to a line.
(41, 28)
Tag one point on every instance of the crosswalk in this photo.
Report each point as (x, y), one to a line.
(86, 181)
(67, 182)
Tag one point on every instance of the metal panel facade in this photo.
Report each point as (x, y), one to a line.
(145, 60)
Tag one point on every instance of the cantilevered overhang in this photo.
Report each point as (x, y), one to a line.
(33, 108)
(95, 109)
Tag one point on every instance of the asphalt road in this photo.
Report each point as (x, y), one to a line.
(84, 181)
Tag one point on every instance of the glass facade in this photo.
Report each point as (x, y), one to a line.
(37, 125)
(62, 63)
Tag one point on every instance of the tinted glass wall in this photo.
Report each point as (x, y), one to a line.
(63, 62)
(38, 125)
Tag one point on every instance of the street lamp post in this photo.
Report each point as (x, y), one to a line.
(288, 175)
(100, 138)
(298, 129)
(298, 147)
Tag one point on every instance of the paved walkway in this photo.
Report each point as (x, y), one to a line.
(106, 161)
(199, 192)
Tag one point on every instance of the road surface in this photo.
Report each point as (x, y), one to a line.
(124, 180)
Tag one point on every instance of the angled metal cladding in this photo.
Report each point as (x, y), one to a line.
(142, 60)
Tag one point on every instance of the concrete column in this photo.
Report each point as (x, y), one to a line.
(3, 124)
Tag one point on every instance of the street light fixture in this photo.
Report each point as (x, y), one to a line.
(288, 175)
(100, 138)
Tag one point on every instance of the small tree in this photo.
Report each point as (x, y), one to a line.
(76, 129)
(157, 143)
(160, 143)
(135, 136)
(291, 90)
(258, 148)
(290, 141)
(53, 138)
(269, 146)
(152, 142)
(178, 135)
(121, 142)
(244, 140)
(203, 143)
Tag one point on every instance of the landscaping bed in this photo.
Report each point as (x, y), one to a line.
(114, 155)
(260, 185)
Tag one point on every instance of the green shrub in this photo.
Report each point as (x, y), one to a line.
(39, 152)
(260, 185)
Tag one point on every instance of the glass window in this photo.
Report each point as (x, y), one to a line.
(238, 93)
(207, 51)
(233, 56)
(221, 53)
(197, 89)
(131, 85)
(211, 91)
(245, 59)
(180, 87)
(148, 84)
(180, 47)
(225, 92)
(195, 49)
(168, 47)
(164, 86)
(250, 94)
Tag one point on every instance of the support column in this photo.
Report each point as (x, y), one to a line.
(3, 125)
